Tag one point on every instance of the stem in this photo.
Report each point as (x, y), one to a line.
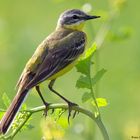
(61, 106)
(93, 95)
(79, 109)
(102, 129)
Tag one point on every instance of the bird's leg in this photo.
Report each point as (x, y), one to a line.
(70, 104)
(43, 100)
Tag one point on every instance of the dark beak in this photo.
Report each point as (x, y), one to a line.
(88, 17)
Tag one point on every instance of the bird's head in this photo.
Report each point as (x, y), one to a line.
(74, 19)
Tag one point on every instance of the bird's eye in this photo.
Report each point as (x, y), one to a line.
(75, 17)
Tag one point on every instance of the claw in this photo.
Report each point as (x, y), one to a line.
(70, 105)
(45, 114)
(74, 114)
(69, 114)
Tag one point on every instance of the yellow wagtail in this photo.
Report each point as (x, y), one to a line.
(56, 55)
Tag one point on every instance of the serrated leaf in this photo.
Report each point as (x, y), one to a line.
(86, 96)
(98, 76)
(83, 82)
(83, 65)
(101, 102)
(6, 100)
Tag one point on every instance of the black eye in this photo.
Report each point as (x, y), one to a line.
(75, 17)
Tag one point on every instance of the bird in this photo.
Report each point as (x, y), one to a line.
(57, 54)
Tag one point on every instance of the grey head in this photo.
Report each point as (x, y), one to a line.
(74, 16)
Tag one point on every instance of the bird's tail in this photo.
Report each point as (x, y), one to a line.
(10, 114)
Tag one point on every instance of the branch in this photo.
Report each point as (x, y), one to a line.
(62, 106)
(78, 109)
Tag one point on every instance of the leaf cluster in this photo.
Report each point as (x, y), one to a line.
(86, 80)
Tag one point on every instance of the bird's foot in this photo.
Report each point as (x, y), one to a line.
(70, 107)
(46, 109)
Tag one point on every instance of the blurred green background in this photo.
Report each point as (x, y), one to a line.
(24, 24)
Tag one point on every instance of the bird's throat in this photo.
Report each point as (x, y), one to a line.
(76, 26)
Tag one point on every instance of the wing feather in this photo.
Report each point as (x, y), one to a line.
(66, 51)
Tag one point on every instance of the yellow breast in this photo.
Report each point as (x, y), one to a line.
(63, 71)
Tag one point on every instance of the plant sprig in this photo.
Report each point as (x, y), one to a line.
(84, 67)
(86, 80)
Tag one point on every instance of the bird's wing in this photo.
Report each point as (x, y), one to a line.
(32, 65)
(66, 51)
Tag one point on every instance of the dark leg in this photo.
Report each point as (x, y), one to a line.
(70, 104)
(43, 100)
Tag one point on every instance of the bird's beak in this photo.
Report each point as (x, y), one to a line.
(88, 17)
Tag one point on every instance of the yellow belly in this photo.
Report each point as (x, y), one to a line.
(63, 71)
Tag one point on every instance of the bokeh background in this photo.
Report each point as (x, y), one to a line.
(24, 24)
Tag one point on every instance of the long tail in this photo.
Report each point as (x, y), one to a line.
(10, 114)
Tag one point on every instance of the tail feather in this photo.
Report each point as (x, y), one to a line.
(10, 114)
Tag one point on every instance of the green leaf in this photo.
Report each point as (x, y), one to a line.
(101, 102)
(83, 82)
(6, 100)
(20, 118)
(86, 96)
(27, 125)
(89, 52)
(98, 76)
(83, 65)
